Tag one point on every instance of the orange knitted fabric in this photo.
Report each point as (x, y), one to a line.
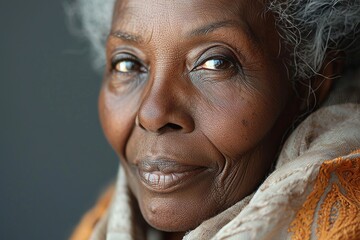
(332, 210)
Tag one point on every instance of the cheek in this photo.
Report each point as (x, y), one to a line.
(242, 125)
(117, 117)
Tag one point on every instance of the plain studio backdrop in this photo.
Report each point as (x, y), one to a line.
(54, 159)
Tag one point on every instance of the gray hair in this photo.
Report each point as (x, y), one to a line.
(92, 19)
(310, 29)
(314, 28)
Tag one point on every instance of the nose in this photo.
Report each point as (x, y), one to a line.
(166, 108)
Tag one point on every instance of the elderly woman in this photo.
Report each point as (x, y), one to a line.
(213, 110)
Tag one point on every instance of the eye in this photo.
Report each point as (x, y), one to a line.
(126, 72)
(215, 64)
(126, 63)
(128, 66)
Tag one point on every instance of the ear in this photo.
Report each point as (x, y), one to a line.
(318, 87)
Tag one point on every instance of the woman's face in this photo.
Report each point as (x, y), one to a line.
(195, 101)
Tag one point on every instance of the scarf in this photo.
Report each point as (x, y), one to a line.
(313, 193)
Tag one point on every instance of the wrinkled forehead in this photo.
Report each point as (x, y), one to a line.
(180, 15)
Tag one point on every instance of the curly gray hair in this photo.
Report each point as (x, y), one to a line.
(309, 28)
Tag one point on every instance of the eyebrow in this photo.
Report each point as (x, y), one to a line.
(128, 37)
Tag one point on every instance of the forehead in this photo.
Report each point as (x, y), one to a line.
(176, 7)
(180, 15)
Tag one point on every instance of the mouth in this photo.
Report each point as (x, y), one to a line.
(163, 176)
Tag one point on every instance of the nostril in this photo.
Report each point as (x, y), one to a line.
(173, 126)
(170, 126)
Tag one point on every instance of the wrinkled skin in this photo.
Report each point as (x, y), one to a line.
(200, 86)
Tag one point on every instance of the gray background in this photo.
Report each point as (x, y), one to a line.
(54, 159)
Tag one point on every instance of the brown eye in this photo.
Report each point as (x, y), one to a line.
(215, 64)
(128, 66)
(126, 72)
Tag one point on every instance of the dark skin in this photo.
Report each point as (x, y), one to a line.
(195, 101)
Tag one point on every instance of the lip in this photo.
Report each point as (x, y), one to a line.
(164, 175)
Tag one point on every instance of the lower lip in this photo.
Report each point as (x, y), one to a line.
(160, 182)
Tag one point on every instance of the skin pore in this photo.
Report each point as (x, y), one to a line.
(195, 101)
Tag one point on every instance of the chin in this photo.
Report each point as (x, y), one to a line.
(173, 215)
(169, 225)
